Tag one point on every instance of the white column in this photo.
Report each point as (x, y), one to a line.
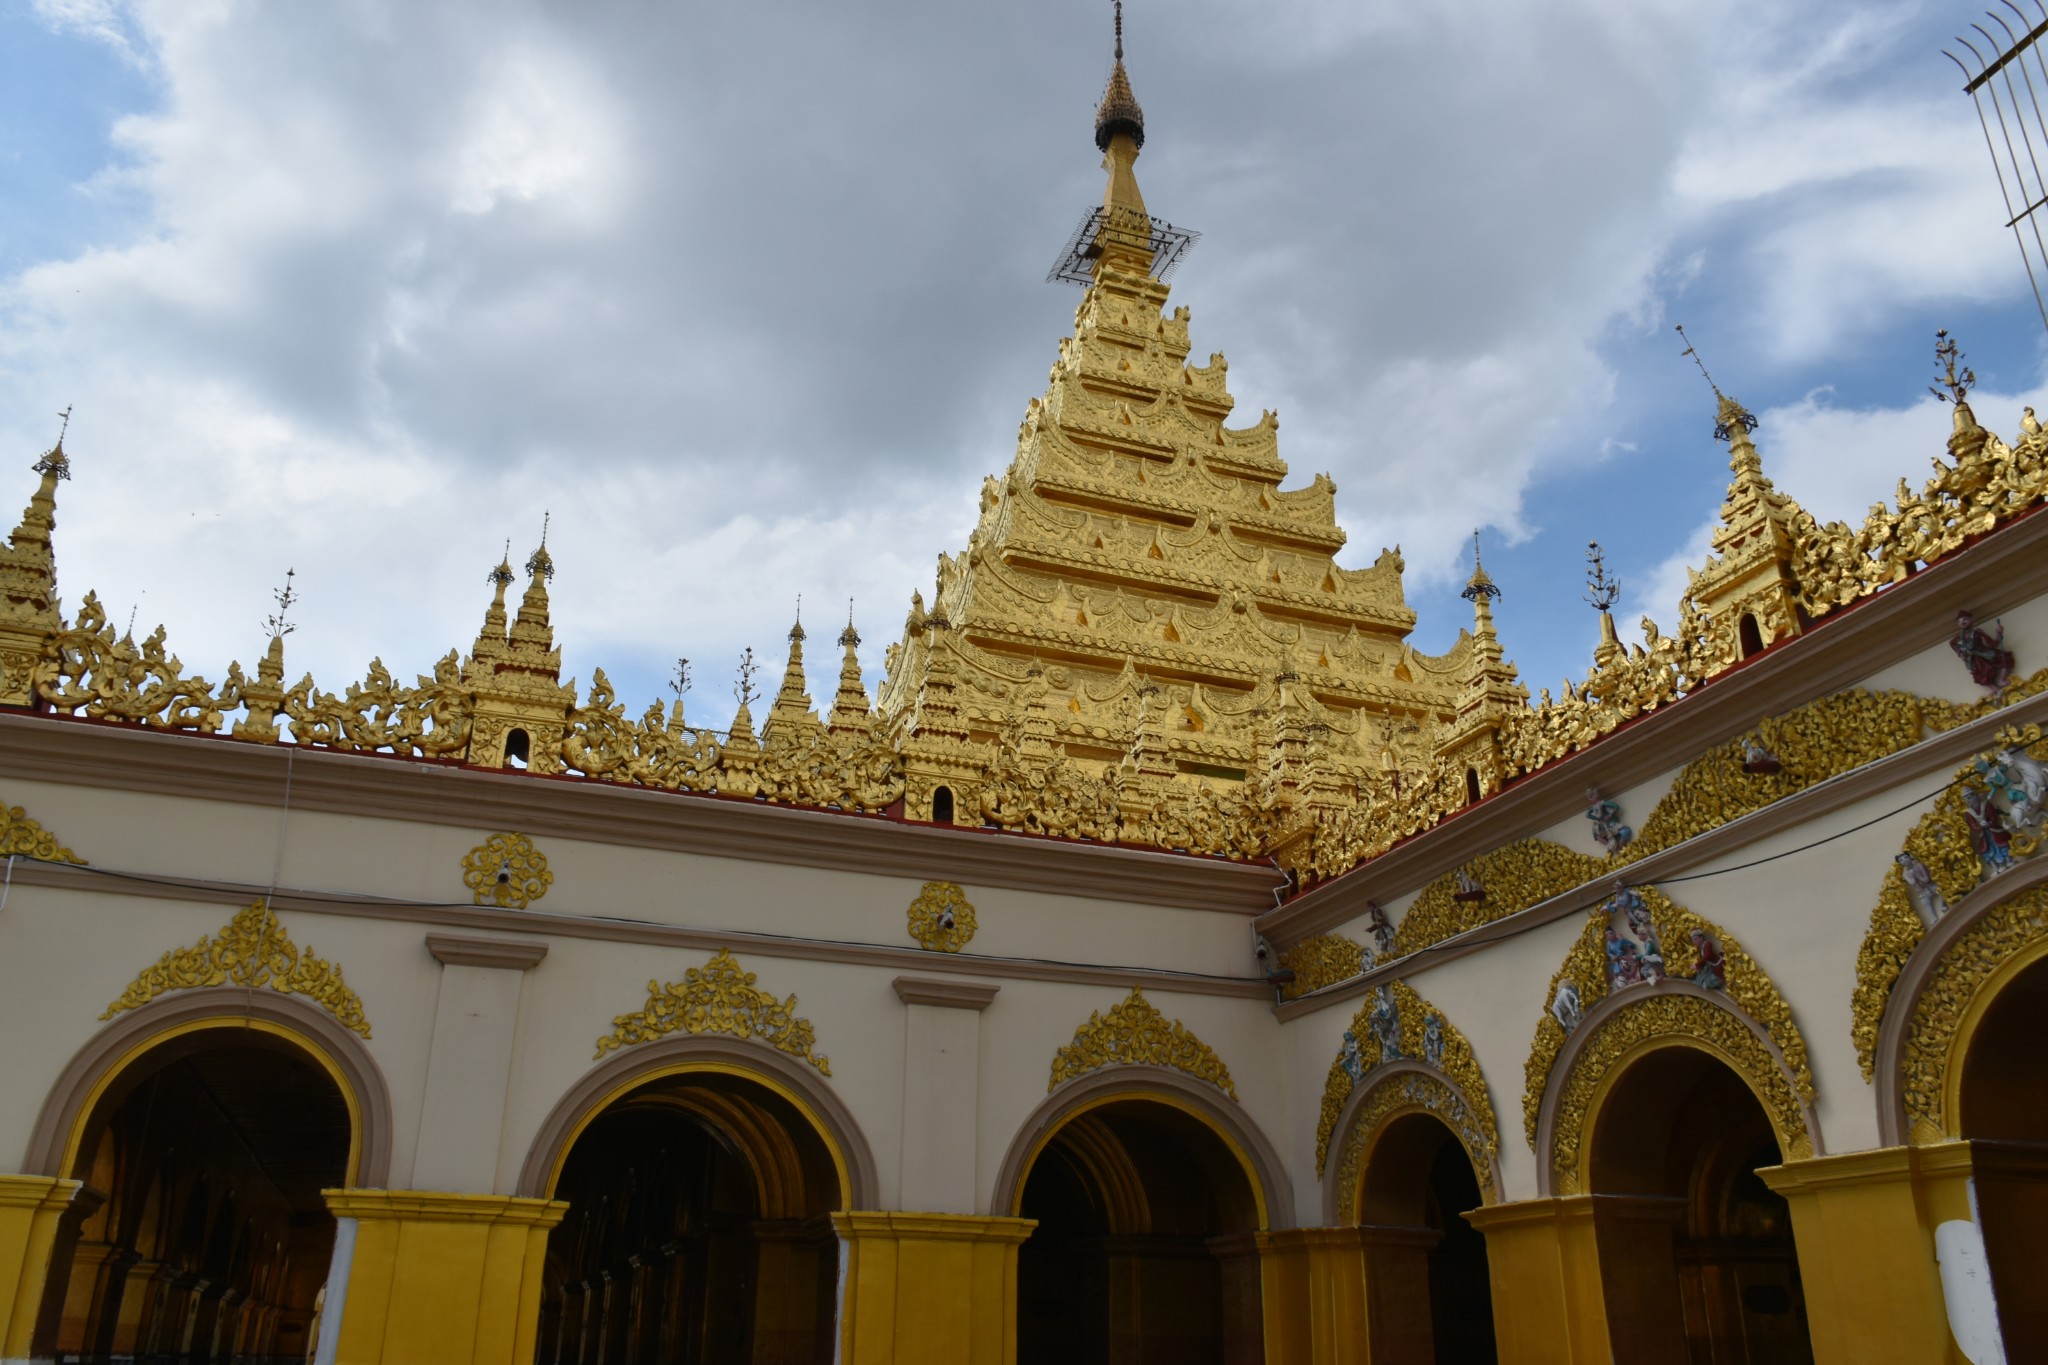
(469, 1064)
(941, 1092)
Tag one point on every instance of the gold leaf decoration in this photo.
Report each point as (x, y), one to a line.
(1405, 1092)
(506, 870)
(1999, 935)
(1134, 1033)
(719, 997)
(1319, 961)
(1513, 878)
(1747, 986)
(1662, 1014)
(252, 951)
(1362, 1053)
(941, 920)
(22, 837)
(1941, 843)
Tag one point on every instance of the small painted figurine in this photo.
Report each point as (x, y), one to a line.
(2018, 781)
(1653, 956)
(1433, 1040)
(1624, 968)
(1928, 902)
(1982, 651)
(1469, 888)
(1988, 834)
(1757, 759)
(1382, 927)
(1711, 970)
(1565, 1006)
(1386, 1024)
(1608, 830)
(1351, 1058)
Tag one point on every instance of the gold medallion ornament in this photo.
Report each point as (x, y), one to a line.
(1687, 1020)
(1134, 1033)
(718, 997)
(506, 870)
(941, 920)
(22, 837)
(252, 951)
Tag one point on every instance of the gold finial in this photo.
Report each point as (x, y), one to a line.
(1119, 111)
(1691, 350)
(1480, 585)
(1601, 591)
(502, 575)
(540, 564)
(55, 462)
(743, 691)
(849, 638)
(66, 414)
(1119, 29)
(279, 626)
(796, 632)
(680, 682)
(1728, 412)
(1949, 386)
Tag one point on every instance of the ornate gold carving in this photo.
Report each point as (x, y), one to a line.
(941, 920)
(1134, 1033)
(22, 837)
(1999, 935)
(1941, 842)
(1404, 1092)
(1584, 970)
(1321, 961)
(1689, 1019)
(1364, 1050)
(719, 997)
(252, 951)
(506, 870)
(1513, 877)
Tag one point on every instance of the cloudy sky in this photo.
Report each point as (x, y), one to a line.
(749, 297)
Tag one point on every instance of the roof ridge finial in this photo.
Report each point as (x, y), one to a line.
(849, 638)
(796, 632)
(1119, 111)
(541, 564)
(1119, 29)
(1480, 586)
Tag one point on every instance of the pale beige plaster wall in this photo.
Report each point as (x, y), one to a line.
(469, 1070)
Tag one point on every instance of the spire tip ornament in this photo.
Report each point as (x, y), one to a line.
(1479, 585)
(540, 564)
(278, 626)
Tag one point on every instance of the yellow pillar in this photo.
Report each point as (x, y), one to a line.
(1864, 1225)
(1544, 1265)
(929, 1288)
(30, 1208)
(450, 1278)
(1315, 1296)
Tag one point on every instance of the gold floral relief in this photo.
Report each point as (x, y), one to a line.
(1686, 1020)
(1929, 1057)
(941, 920)
(1394, 1014)
(22, 837)
(1319, 961)
(720, 997)
(1584, 976)
(1135, 1033)
(1510, 879)
(252, 951)
(506, 870)
(1405, 1092)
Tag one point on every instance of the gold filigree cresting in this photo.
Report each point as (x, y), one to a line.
(1686, 1019)
(1395, 1014)
(1584, 975)
(1942, 843)
(506, 870)
(1929, 1057)
(719, 997)
(254, 951)
(1406, 1092)
(1320, 961)
(941, 920)
(1135, 1033)
(22, 837)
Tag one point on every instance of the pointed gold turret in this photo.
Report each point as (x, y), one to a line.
(791, 715)
(522, 704)
(1492, 691)
(850, 713)
(1747, 591)
(28, 580)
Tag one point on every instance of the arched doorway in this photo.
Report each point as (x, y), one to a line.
(1144, 1250)
(2004, 1114)
(1425, 1266)
(201, 1234)
(698, 1230)
(1696, 1253)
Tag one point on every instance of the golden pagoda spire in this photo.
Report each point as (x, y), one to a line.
(28, 578)
(490, 639)
(1125, 237)
(791, 710)
(850, 713)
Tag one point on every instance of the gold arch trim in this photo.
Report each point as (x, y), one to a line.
(1135, 1033)
(719, 997)
(1941, 843)
(1417, 1092)
(2005, 937)
(253, 951)
(1671, 1019)
(22, 837)
(1459, 1066)
(1748, 989)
